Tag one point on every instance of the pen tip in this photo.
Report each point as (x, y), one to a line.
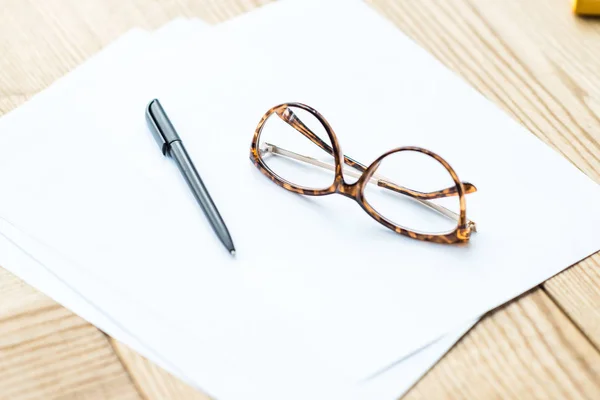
(232, 252)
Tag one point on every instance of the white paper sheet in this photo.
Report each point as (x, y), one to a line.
(25, 262)
(388, 385)
(40, 271)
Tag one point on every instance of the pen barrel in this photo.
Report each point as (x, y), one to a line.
(180, 155)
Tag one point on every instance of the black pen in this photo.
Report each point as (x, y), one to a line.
(170, 144)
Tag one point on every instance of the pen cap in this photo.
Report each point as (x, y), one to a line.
(160, 126)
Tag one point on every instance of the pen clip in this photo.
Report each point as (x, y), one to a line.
(160, 126)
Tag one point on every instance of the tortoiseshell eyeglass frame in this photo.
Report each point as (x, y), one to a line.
(365, 175)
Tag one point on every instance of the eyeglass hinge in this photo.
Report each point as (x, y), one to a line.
(472, 226)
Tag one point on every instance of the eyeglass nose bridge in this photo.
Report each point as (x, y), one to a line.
(351, 190)
(354, 190)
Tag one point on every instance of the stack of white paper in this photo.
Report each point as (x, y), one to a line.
(320, 301)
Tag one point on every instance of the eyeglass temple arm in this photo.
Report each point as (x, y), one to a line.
(289, 117)
(375, 179)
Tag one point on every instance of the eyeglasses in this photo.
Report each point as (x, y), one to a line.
(296, 148)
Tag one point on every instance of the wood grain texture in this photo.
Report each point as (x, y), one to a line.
(153, 382)
(532, 58)
(527, 349)
(576, 292)
(46, 352)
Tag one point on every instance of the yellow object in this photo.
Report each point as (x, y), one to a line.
(586, 7)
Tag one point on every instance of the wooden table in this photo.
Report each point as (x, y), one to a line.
(533, 58)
